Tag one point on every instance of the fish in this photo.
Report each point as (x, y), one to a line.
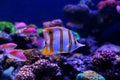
(17, 55)
(20, 26)
(8, 46)
(59, 40)
(29, 31)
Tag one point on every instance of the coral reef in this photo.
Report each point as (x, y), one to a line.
(79, 62)
(32, 55)
(94, 25)
(75, 64)
(38, 70)
(106, 61)
(53, 23)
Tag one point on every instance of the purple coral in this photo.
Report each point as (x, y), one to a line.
(79, 62)
(25, 73)
(43, 65)
(103, 58)
(76, 64)
(38, 70)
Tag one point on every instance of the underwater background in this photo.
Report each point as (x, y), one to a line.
(34, 11)
(60, 40)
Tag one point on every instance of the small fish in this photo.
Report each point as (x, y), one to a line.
(59, 40)
(29, 31)
(17, 55)
(20, 26)
(8, 46)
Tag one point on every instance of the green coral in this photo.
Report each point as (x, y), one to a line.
(5, 24)
(80, 76)
(89, 75)
(40, 30)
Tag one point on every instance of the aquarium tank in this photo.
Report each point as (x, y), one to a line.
(60, 40)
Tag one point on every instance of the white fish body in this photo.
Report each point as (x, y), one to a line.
(20, 30)
(16, 57)
(59, 40)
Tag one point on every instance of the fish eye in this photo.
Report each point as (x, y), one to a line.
(50, 32)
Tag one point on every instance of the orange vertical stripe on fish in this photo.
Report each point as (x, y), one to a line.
(61, 40)
(70, 41)
(51, 40)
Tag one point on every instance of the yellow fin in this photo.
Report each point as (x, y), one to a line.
(46, 52)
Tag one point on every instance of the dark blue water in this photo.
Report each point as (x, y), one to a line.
(33, 11)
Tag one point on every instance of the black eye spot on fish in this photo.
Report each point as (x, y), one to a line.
(50, 32)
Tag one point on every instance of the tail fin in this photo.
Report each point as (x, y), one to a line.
(80, 45)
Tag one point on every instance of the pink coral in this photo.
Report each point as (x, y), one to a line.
(103, 4)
